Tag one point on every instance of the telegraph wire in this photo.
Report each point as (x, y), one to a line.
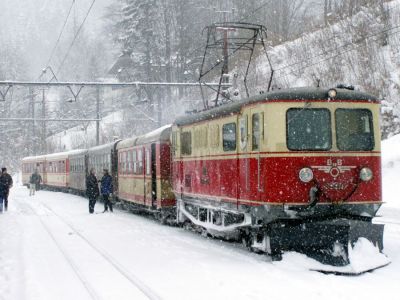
(75, 37)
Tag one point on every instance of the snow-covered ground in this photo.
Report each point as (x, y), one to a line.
(51, 248)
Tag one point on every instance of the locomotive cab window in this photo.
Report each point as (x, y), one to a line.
(255, 132)
(229, 136)
(354, 129)
(308, 129)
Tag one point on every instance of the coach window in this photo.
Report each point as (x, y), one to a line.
(129, 162)
(229, 136)
(148, 162)
(186, 143)
(124, 162)
(255, 132)
(174, 143)
(140, 161)
(134, 162)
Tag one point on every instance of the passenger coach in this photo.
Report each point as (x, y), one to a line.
(144, 171)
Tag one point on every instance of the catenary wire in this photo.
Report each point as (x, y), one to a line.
(74, 39)
(61, 33)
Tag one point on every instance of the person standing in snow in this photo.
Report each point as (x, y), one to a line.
(92, 189)
(106, 188)
(34, 182)
(2, 193)
(6, 183)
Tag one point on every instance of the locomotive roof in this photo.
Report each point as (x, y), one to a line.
(294, 94)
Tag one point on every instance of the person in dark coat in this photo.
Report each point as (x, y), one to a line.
(92, 189)
(6, 183)
(34, 182)
(106, 188)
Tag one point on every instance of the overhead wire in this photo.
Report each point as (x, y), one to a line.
(74, 39)
(61, 33)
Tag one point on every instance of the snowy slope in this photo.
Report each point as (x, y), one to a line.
(352, 51)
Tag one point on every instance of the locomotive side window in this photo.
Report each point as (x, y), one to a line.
(243, 132)
(354, 129)
(255, 132)
(229, 136)
(308, 129)
(186, 143)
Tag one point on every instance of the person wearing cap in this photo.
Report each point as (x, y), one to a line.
(6, 183)
(106, 188)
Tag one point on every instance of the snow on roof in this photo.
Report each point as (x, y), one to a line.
(108, 146)
(154, 135)
(64, 154)
(33, 158)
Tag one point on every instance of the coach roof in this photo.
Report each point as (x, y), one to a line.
(293, 94)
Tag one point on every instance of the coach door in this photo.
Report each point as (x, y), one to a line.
(154, 190)
(256, 135)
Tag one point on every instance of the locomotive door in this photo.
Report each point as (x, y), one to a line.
(256, 133)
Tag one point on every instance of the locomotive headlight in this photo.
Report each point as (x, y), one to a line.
(366, 174)
(306, 175)
(332, 93)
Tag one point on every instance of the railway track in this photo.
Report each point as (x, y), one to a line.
(136, 282)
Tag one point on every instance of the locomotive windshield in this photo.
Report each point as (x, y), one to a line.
(354, 130)
(308, 129)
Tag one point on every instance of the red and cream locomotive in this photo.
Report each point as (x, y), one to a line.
(295, 169)
(291, 169)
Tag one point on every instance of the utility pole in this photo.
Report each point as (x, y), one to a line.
(159, 112)
(97, 116)
(33, 135)
(44, 146)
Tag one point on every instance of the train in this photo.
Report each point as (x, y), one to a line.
(291, 169)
